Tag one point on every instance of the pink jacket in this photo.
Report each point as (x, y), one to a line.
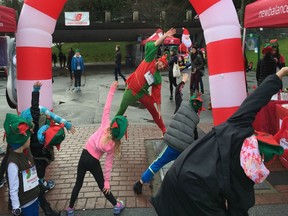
(96, 147)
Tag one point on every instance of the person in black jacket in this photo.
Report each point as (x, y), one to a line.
(265, 66)
(173, 60)
(207, 178)
(118, 59)
(279, 58)
(197, 65)
(71, 53)
(177, 137)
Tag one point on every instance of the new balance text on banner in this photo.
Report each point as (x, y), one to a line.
(77, 19)
(266, 14)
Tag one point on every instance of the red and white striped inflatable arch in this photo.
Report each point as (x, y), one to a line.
(221, 30)
(33, 48)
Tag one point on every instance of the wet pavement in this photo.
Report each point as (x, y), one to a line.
(84, 110)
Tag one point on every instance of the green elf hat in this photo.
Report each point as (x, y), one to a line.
(164, 58)
(196, 102)
(77, 50)
(268, 146)
(119, 126)
(17, 130)
(274, 43)
(174, 49)
(267, 48)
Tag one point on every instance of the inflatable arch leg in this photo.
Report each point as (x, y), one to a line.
(33, 48)
(226, 73)
(225, 59)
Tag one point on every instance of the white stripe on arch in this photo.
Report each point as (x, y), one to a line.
(30, 37)
(221, 33)
(221, 13)
(24, 92)
(228, 89)
(33, 18)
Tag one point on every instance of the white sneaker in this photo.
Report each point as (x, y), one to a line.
(2, 182)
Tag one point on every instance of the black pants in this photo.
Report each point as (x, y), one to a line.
(70, 70)
(4, 163)
(172, 82)
(42, 157)
(88, 163)
(117, 72)
(194, 82)
(77, 75)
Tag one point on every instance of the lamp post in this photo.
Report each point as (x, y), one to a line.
(257, 36)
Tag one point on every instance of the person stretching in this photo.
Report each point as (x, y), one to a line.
(107, 139)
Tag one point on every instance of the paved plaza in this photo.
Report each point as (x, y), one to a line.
(84, 110)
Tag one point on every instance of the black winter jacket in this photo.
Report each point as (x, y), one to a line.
(208, 173)
(265, 67)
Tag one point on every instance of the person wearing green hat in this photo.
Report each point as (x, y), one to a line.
(106, 139)
(180, 134)
(173, 60)
(266, 65)
(148, 74)
(207, 178)
(21, 172)
(48, 132)
(77, 66)
(279, 58)
(45, 131)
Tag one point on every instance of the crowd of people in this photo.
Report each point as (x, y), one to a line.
(75, 65)
(216, 185)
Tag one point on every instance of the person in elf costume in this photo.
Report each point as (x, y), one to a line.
(208, 178)
(180, 134)
(105, 140)
(148, 74)
(21, 171)
(46, 134)
(279, 58)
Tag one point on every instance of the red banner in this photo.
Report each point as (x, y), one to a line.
(266, 13)
(7, 19)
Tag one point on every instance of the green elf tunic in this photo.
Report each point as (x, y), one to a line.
(138, 83)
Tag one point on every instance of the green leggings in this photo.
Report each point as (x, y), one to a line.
(147, 101)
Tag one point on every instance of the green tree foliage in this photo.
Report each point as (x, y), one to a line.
(240, 7)
(175, 11)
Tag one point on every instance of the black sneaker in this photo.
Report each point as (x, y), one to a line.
(137, 187)
(48, 185)
(171, 98)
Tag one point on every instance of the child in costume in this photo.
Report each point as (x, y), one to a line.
(179, 135)
(21, 171)
(45, 134)
(77, 66)
(107, 139)
(207, 178)
(147, 74)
